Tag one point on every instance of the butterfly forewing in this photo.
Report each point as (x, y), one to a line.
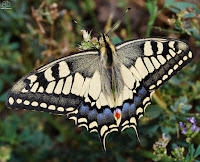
(153, 61)
(54, 87)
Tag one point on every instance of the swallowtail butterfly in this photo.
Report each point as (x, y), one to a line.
(105, 89)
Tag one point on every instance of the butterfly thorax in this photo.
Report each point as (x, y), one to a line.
(107, 51)
(110, 68)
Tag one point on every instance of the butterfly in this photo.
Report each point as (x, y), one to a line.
(105, 89)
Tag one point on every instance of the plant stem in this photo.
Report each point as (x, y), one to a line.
(91, 11)
(153, 10)
(160, 102)
(190, 147)
(51, 38)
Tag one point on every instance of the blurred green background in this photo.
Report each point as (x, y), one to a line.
(33, 33)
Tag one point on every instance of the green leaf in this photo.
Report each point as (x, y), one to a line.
(116, 40)
(149, 5)
(186, 108)
(150, 130)
(175, 81)
(119, 158)
(197, 153)
(198, 109)
(72, 5)
(174, 145)
(181, 105)
(187, 157)
(184, 5)
(1, 85)
(183, 100)
(3, 96)
(152, 6)
(191, 30)
(153, 111)
(168, 3)
(190, 15)
(25, 135)
(165, 130)
(14, 46)
(173, 9)
(191, 150)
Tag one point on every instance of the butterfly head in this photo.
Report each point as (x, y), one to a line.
(107, 50)
(103, 38)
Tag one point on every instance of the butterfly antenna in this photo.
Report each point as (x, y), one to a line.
(83, 26)
(118, 21)
(78, 23)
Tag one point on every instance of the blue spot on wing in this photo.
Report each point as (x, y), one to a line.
(132, 107)
(125, 110)
(100, 119)
(92, 115)
(107, 112)
(136, 99)
(109, 117)
(84, 109)
(142, 92)
(125, 107)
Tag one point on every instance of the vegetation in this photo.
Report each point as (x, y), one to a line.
(33, 33)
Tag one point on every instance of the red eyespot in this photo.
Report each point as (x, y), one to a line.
(117, 114)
